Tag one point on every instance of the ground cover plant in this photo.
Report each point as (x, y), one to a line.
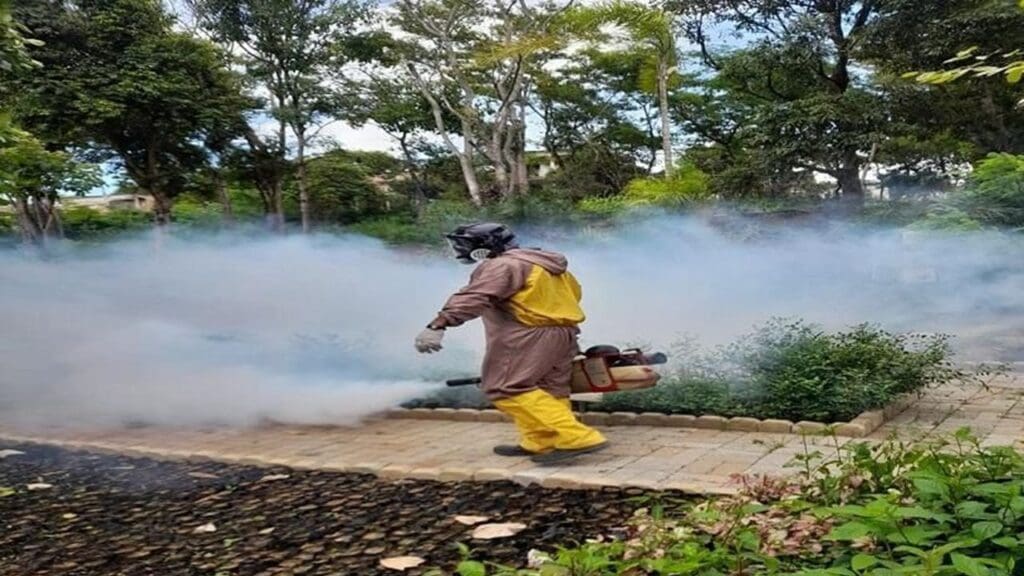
(782, 369)
(797, 371)
(945, 507)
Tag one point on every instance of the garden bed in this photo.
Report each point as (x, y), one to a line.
(784, 377)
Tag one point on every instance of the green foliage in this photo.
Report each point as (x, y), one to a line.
(993, 197)
(192, 212)
(944, 507)
(797, 372)
(87, 224)
(340, 190)
(14, 55)
(687, 187)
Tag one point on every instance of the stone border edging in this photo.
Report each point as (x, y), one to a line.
(860, 427)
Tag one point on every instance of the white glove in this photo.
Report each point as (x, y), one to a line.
(429, 341)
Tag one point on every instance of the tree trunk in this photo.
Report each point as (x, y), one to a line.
(666, 132)
(469, 174)
(300, 174)
(161, 207)
(30, 233)
(850, 183)
(225, 198)
(522, 170)
(277, 218)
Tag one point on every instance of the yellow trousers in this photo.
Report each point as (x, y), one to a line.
(547, 423)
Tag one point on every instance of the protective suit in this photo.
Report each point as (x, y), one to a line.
(529, 303)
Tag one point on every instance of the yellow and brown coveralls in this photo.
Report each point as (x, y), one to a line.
(529, 303)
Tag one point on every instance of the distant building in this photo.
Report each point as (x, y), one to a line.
(119, 201)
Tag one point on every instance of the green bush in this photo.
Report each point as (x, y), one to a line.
(689, 186)
(993, 197)
(83, 223)
(797, 372)
(191, 212)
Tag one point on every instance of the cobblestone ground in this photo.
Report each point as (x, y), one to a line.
(689, 460)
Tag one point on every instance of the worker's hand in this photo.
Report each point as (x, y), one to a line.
(429, 341)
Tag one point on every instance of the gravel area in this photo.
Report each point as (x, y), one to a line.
(77, 513)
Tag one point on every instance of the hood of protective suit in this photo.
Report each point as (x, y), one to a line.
(553, 262)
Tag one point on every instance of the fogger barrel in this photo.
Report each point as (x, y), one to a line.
(604, 369)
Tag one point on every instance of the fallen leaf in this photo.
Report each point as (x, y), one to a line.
(69, 516)
(205, 528)
(202, 475)
(491, 531)
(536, 559)
(5, 491)
(471, 520)
(272, 477)
(266, 531)
(39, 486)
(6, 453)
(401, 563)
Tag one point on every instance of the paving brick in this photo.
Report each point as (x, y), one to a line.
(492, 416)
(710, 423)
(465, 415)
(455, 474)
(806, 427)
(594, 418)
(775, 426)
(681, 420)
(743, 424)
(394, 471)
(621, 418)
(491, 474)
(652, 419)
(851, 430)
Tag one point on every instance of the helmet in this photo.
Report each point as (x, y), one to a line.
(476, 242)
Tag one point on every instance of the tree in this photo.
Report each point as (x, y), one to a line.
(651, 33)
(31, 181)
(292, 49)
(117, 81)
(814, 110)
(14, 56)
(399, 109)
(473, 60)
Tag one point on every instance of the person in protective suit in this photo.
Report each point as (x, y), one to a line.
(529, 303)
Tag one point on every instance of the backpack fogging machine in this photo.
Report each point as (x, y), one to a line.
(604, 369)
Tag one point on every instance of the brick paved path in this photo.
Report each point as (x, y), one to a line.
(700, 461)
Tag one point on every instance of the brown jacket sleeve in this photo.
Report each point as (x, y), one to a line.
(493, 282)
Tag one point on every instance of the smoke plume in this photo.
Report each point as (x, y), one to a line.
(319, 330)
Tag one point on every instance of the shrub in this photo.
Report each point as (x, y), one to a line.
(687, 187)
(797, 372)
(993, 197)
(946, 507)
(83, 223)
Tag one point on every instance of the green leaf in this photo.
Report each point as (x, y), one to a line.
(916, 535)
(850, 531)
(6, 491)
(932, 487)
(471, 568)
(863, 561)
(1014, 74)
(986, 530)
(967, 565)
(973, 510)
(1006, 542)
